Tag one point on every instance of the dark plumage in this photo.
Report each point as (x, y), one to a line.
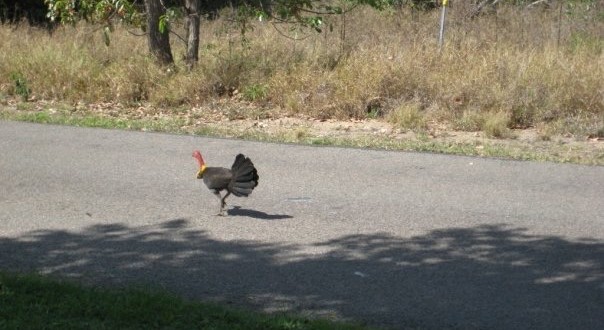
(240, 180)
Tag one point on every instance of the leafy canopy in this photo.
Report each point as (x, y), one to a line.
(305, 12)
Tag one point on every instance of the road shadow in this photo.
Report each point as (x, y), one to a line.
(483, 277)
(238, 211)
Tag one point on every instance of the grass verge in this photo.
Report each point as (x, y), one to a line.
(552, 151)
(36, 302)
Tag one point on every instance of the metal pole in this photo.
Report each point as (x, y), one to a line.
(441, 33)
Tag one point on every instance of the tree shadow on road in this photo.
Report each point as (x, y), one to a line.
(491, 276)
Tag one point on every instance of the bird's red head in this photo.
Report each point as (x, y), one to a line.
(202, 164)
(197, 155)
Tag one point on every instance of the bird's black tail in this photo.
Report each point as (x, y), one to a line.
(245, 176)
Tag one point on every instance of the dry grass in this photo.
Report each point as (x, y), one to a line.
(496, 125)
(408, 116)
(510, 69)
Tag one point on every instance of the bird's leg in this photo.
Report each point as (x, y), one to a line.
(223, 203)
(217, 194)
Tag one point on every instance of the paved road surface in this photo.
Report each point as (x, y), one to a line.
(385, 238)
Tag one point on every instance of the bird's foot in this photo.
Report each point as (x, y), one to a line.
(223, 209)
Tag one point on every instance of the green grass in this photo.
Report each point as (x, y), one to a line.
(44, 117)
(493, 148)
(36, 302)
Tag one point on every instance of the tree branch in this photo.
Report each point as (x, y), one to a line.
(478, 9)
(546, 2)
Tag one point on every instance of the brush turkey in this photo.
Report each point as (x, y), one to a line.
(239, 180)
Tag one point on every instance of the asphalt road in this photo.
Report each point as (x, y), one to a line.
(385, 238)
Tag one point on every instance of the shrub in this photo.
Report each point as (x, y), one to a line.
(496, 125)
(408, 116)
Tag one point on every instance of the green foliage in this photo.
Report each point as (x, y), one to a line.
(417, 4)
(307, 13)
(255, 92)
(580, 40)
(104, 12)
(21, 87)
(171, 15)
(374, 112)
(98, 11)
(310, 13)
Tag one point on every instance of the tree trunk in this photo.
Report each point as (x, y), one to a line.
(159, 43)
(192, 26)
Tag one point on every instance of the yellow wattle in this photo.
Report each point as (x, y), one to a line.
(201, 170)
